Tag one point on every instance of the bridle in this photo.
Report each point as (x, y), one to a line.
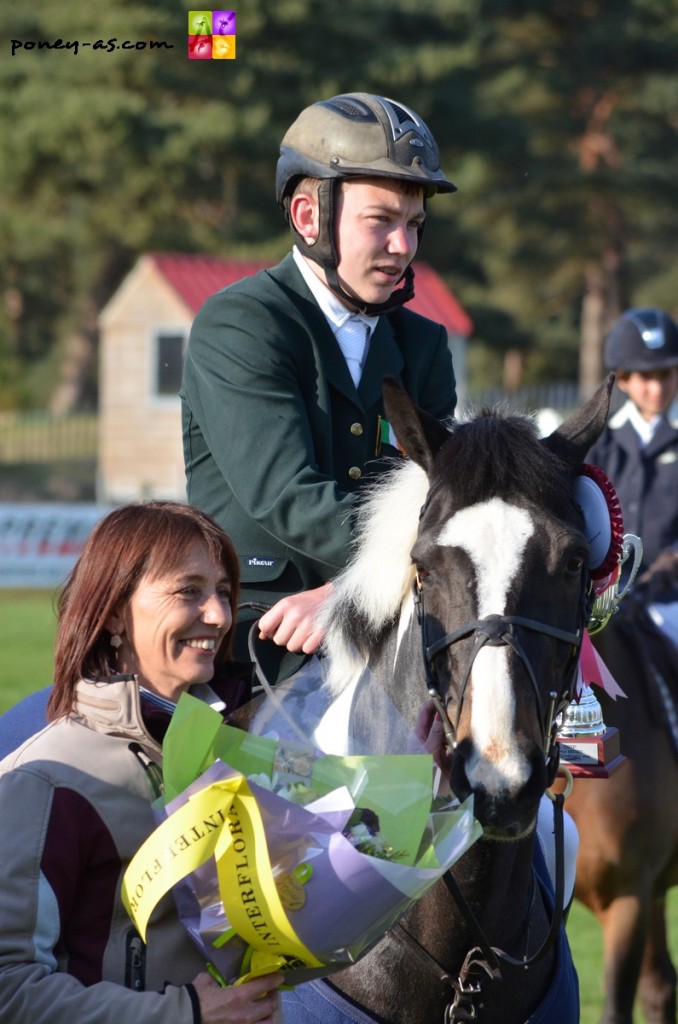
(500, 631)
(484, 961)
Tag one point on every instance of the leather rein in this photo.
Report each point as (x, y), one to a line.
(484, 961)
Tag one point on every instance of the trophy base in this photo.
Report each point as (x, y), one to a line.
(592, 757)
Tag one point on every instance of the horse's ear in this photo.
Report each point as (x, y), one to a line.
(573, 438)
(419, 435)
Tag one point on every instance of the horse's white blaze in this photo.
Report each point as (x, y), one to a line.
(494, 534)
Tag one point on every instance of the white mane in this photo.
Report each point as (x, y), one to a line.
(379, 576)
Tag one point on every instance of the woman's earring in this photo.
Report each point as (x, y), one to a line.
(116, 641)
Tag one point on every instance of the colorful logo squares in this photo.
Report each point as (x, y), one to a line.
(211, 35)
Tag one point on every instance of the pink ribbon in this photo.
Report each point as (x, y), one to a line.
(592, 669)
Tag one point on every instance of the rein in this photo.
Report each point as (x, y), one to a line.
(484, 961)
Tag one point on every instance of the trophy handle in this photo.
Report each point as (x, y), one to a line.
(607, 602)
(631, 546)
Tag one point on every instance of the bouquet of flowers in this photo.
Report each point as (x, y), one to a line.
(282, 857)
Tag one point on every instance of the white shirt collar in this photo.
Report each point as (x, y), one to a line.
(645, 429)
(334, 310)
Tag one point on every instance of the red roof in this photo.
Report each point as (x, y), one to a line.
(195, 278)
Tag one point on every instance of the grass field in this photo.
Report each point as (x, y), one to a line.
(26, 637)
(27, 623)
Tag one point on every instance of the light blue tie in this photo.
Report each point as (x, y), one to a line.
(352, 337)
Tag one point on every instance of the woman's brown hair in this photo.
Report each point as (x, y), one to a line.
(131, 542)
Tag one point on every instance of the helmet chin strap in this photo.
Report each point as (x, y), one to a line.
(324, 252)
(397, 299)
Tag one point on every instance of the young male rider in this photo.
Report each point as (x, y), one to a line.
(283, 418)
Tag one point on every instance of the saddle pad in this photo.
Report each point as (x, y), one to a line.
(23, 720)
(317, 1002)
(561, 1003)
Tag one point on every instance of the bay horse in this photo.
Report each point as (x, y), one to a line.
(628, 823)
(470, 583)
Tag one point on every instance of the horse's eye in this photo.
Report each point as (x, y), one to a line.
(422, 573)
(574, 564)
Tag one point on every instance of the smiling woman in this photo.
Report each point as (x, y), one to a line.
(145, 615)
(151, 581)
(173, 625)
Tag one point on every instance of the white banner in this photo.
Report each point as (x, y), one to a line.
(39, 544)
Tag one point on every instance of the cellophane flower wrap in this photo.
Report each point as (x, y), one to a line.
(282, 856)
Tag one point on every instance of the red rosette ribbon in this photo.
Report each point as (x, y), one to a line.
(604, 524)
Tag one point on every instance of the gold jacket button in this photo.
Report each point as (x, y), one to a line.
(355, 472)
(356, 429)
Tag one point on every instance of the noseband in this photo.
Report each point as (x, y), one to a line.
(500, 631)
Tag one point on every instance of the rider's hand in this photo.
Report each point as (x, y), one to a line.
(291, 622)
(254, 1002)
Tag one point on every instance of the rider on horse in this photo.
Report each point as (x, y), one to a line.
(638, 449)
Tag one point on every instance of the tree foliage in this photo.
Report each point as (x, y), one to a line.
(556, 119)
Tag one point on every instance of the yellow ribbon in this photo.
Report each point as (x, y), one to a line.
(252, 904)
(221, 820)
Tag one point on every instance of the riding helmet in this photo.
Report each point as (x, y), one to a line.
(357, 134)
(642, 339)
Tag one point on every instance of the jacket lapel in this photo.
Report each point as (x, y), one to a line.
(664, 435)
(325, 343)
(627, 439)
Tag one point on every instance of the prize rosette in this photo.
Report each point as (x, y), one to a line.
(282, 857)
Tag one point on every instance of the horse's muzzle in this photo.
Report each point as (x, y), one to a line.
(506, 809)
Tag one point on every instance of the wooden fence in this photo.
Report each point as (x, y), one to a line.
(39, 437)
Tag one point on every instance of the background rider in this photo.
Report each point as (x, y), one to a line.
(639, 447)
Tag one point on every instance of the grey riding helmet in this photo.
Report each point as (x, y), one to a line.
(642, 339)
(349, 136)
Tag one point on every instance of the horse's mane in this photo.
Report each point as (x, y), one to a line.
(369, 592)
(490, 454)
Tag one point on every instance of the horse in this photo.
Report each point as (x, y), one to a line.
(470, 585)
(628, 823)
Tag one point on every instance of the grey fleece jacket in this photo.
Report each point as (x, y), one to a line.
(75, 805)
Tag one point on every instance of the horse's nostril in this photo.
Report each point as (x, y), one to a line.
(459, 781)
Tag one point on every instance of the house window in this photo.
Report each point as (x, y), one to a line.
(169, 349)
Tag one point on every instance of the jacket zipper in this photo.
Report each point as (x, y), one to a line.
(135, 962)
(151, 767)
